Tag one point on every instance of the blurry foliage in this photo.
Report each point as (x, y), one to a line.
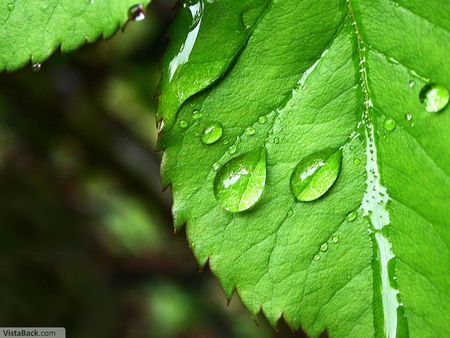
(86, 239)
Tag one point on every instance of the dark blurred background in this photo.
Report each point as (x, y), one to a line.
(86, 237)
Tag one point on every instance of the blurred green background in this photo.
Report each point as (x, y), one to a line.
(86, 239)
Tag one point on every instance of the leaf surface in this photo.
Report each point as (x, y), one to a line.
(370, 256)
(33, 30)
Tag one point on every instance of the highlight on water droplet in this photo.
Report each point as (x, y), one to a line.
(239, 184)
(435, 97)
(183, 124)
(351, 216)
(196, 114)
(324, 247)
(36, 67)
(408, 117)
(389, 124)
(136, 13)
(212, 133)
(315, 174)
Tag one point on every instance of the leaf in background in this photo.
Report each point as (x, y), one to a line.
(370, 256)
(32, 30)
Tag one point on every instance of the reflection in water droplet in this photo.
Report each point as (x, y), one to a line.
(183, 124)
(351, 216)
(239, 184)
(196, 115)
(324, 247)
(314, 175)
(335, 238)
(212, 133)
(250, 131)
(136, 13)
(435, 97)
(262, 120)
(36, 67)
(389, 124)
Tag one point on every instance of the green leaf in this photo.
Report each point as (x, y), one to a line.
(370, 256)
(33, 30)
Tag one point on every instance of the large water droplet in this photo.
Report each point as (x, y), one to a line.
(136, 13)
(435, 97)
(212, 133)
(240, 183)
(314, 175)
(389, 124)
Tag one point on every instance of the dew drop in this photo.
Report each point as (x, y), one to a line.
(315, 174)
(408, 117)
(389, 124)
(36, 67)
(435, 97)
(335, 238)
(183, 124)
(212, 133)
(290, 213)
(239, 184)
(232, 149)
(196, 115)
(11, 6)
(276, 140)
(357, 161)
(324, 247)
(262, 120)
(411, 83)
(225, 142)
(250, 131)
(216, 166)
(317, 257)
(136, 13)
(351, 216)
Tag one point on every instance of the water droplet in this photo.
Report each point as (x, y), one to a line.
(225, 142)
(36, 67)
(349, 277)
(315, 174)
(183, 124)
(276, 140)
(357, 161)
(250, 131)
(435, 97)
(351, 216)
(335, 238)
(290, 213)
(136, 13)
(389, 124)
(232, 149)
(262, 120)
(216, 166)
(324, 247)
(408, 117)
(160, 126)
(239, 184)
(212, 133)
(411, 83)
(196, 115)
(11, 6)
(317, 257)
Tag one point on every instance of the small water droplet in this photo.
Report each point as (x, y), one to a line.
(160, 126)
(408, 117)
(351, 216)
(232, 149)
(389, 124)
(196, 115)
(262, 120)
(183, 124)
(239, 184)
(276, 140)
(212, 133)
(324, 247)
(357, 161)
(315, 174)
(216, 166)
(11, 6)
(36, 67)
(335, 238)
(435, 97)
(250, 131)
(411, 83)
(290, 213)
(225, 142)
(136, 13)
(317, 257)
(349, 277)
